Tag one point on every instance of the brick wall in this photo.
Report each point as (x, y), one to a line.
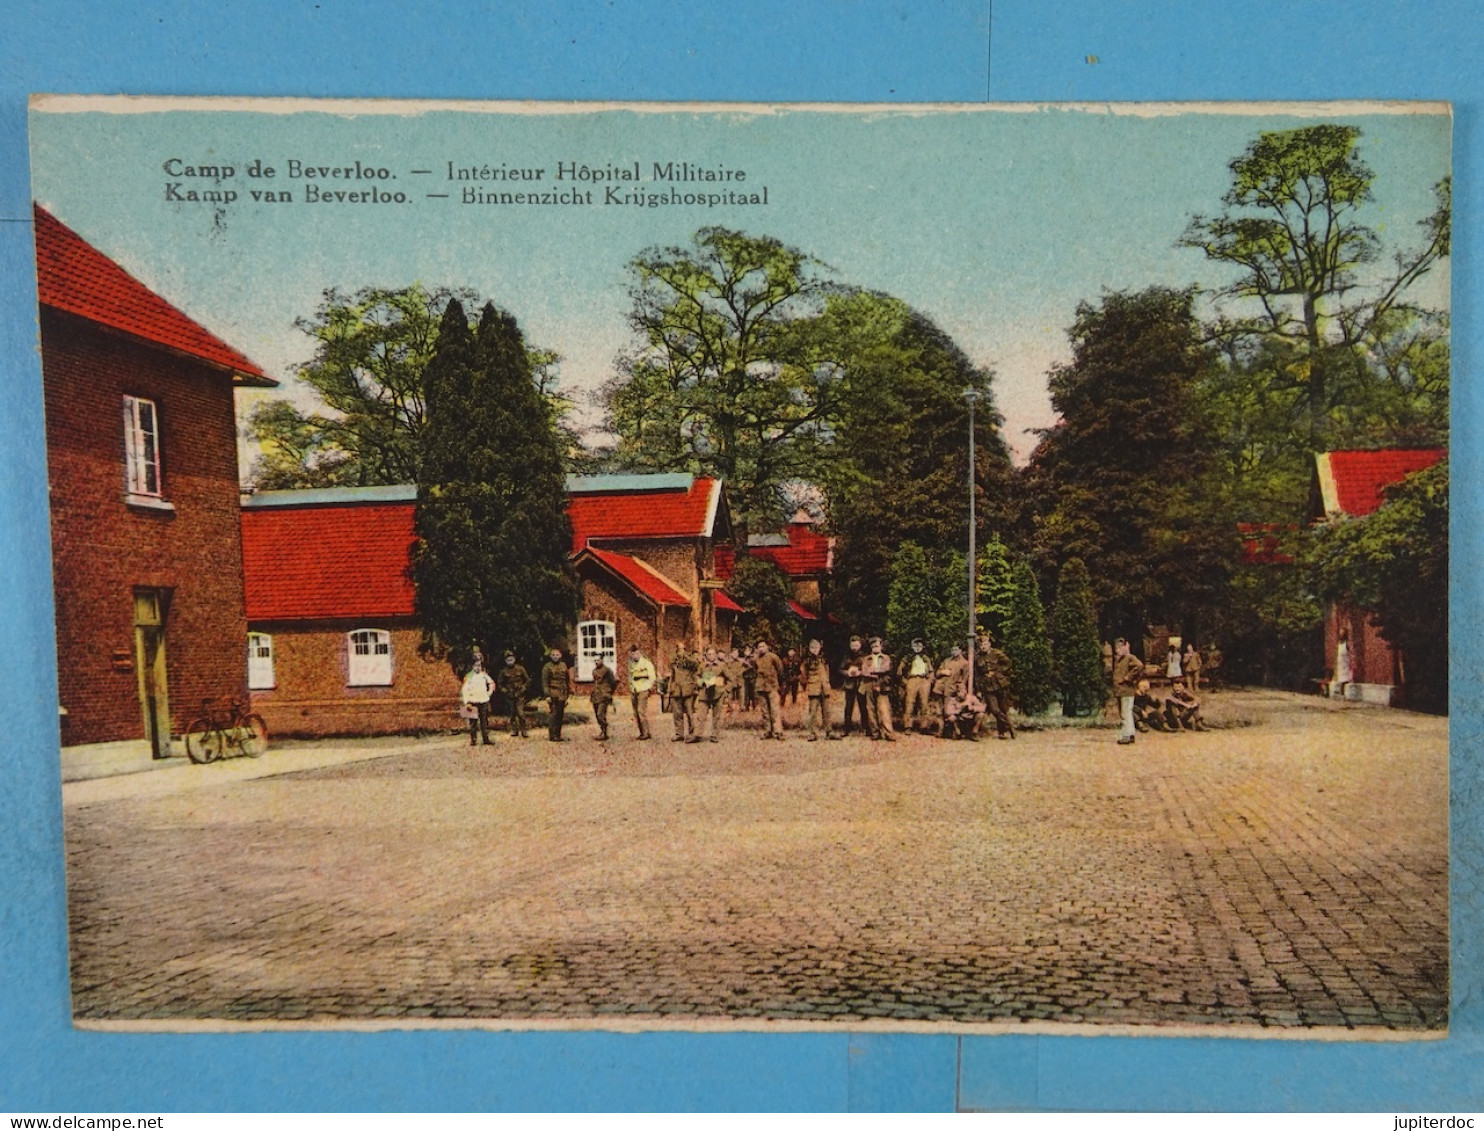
(1372, 658)
(634, 620)
(312, 696)
(683, 561)
(102, 549)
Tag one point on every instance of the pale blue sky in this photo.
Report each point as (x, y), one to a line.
(995, 222)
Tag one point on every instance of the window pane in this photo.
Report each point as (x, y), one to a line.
(141, 446)
(260, 662)
(370, 658)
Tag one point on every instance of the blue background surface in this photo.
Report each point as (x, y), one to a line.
(767, 50)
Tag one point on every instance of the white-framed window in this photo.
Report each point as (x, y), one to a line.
(142, 447)
(370, 657)
(595, 638)
(260, 662)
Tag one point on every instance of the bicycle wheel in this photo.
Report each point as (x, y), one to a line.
(252, 732)
(203, 742)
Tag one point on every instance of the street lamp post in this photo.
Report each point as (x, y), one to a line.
(972, 396)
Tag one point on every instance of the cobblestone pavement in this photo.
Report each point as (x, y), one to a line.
(1291, 872)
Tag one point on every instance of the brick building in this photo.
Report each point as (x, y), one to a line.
(330, 625)
(805, 558)
(141, 438)
(645, 548)
(1351, 484)
(332, 643)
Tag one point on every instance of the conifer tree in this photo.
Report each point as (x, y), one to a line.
(925, 598)
(1025, 642)
(491, 566)
(1077, 652)
(996, 584)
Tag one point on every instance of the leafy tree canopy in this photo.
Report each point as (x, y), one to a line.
(718, 381)
(1123, 480)
(371, 349)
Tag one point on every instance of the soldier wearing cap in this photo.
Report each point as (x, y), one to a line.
(601, 696)
(917, 677)
(768, 682)
(850, 682)
(814, 672)
(876, 686)
(641, 683)
(951, 687)
(556, 685)
(992, 680)
(713, 695)
(515, 681)
(685, 673)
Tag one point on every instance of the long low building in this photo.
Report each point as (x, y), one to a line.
(332, 635)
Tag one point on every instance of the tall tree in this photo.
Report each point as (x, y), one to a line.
(926, 597)
(491, 564)
(1293, 227)
(1025, 641)
(371, 349)
(715, 383)
(1120, 480)
(897, 467)
(996, 581)
(1076, 650)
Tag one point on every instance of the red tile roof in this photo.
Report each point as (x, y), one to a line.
(320, 563)
(1261, 542)
(1354, 482)
(642, 576)
(74, 276)
(801, 612)
(806, 554)
(614, 515)
(725, 603)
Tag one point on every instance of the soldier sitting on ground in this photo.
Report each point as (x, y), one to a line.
(1183, 708)
(963, 716)
(1149, 709)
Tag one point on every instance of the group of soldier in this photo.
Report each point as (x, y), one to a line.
(1142, 710)
(953, 698)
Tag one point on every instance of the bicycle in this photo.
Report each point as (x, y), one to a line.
(229, 733)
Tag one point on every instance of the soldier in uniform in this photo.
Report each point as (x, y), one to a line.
(1149, 709)
(733, 665)
(951, 687)
(790, 692)
(815, 675)
(685, 673)
(850, 673)
(1183, 708)
(876, 686)
(917, 676)
(604, 684)
(1127, 668)
(1192, 667)
(712, 695)
(768, 669)
(641, 683)
(992, 679)
(516, 681)
(556, 685)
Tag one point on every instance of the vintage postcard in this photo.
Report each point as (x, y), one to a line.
(929, 568)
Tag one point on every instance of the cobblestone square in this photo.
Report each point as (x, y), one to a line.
(1287, 869)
